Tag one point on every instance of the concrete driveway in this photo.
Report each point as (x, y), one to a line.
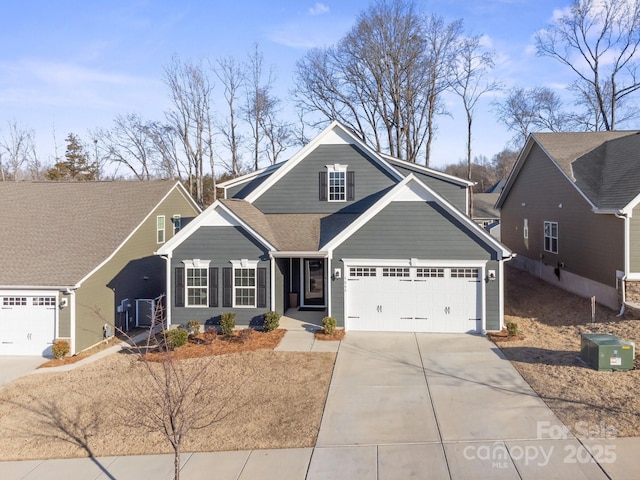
(15, 366)
(444, 406)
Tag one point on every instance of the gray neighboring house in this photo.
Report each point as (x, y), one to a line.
(373, 241)
(570, 212)
(77, 256)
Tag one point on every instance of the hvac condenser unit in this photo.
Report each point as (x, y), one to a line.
(604, 351)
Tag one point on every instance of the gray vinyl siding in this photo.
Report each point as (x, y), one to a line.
(634, 241)
(492, 297)
(298, 191)
(219, 245)
(589, 245)
(421, 230)
(243, 189)
(452, 192)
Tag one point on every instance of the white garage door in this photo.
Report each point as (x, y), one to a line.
(414, 299)
(27, 325)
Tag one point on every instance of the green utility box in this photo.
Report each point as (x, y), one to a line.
(604, 351)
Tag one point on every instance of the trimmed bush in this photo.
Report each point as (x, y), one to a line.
(194, 327)
(227, 322)
(175, 338)
(271, 321)
(512, 329)
(60, 349)
(328, 325)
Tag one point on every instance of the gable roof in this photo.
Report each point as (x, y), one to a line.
(588, 160)
(412, 188)
(251, 180)
(484, 205)
(56, 233)
(335, 133)
(426, 171)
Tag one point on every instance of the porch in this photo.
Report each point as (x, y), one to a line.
(308, 320)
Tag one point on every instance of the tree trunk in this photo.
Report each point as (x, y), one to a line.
(176, 463)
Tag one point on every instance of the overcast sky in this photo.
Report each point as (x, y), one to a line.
(72, 66)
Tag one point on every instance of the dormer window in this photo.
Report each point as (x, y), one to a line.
(337, 184)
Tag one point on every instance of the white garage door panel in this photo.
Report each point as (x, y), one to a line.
(404, 299)
(27, 325)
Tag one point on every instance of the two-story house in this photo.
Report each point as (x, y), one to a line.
(374, 241)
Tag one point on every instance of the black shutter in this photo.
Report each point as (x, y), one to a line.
(262, 288)
(227, 287)
(179, 286)
(213, 286)
(351, 185)
(323, 186)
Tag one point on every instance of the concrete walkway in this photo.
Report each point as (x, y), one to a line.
(399, 406)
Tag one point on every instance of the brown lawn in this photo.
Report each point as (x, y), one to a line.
(269, 400)
(551, 321)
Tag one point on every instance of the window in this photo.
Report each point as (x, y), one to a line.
(196, 274)
(465, 273)
(362, 271)
(395, 272)
(160, 229)
(430, 272)
(44, 301)
(551, 237)
(177, 223)
(244, 283)
(14, 301)
(525, 229)
(337, 183)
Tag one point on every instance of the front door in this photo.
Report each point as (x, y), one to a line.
(313, 276)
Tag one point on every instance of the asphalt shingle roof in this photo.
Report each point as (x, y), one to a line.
(605, 166)
(295, 232)
(484, 205)
(55, 233)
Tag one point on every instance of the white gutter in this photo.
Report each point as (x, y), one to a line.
(627, 262)
(72, 321)
(297, 254)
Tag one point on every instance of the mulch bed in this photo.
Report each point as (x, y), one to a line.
(337, 335)
(503, 336)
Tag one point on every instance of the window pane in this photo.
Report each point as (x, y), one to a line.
(337, 186)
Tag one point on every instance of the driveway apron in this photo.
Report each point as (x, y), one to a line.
(406, 405)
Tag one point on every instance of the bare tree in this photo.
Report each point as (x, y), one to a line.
(166, 144)
(257, 106)
(127, 143)
(174, 397)
(503, 162)
(232, 77)
(598, 40)
(384, 78)
(525, 110)
(17, 151)
(473, 63)
(190, 116)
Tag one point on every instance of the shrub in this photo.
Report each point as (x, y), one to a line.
(271, 321)
(194, 327)
(512, 329)
(60, 349)
(328, 325)
(175, 338)
(227, 322)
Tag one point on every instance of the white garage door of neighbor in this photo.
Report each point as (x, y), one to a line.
(27, 325)
(414, 299)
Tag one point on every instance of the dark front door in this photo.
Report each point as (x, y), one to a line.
(313, 275)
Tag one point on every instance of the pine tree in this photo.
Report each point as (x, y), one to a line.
(76, 166)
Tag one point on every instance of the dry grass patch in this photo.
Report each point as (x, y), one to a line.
(57, 362)
(269, 400)
(551, 321)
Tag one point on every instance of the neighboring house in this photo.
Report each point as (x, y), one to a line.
(484, 211)
(570, 212)
(76, 256)
(376, 242)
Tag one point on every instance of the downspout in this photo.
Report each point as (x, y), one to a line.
(72, 319)
(167, 294)
(624, 217)
(272, 281)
